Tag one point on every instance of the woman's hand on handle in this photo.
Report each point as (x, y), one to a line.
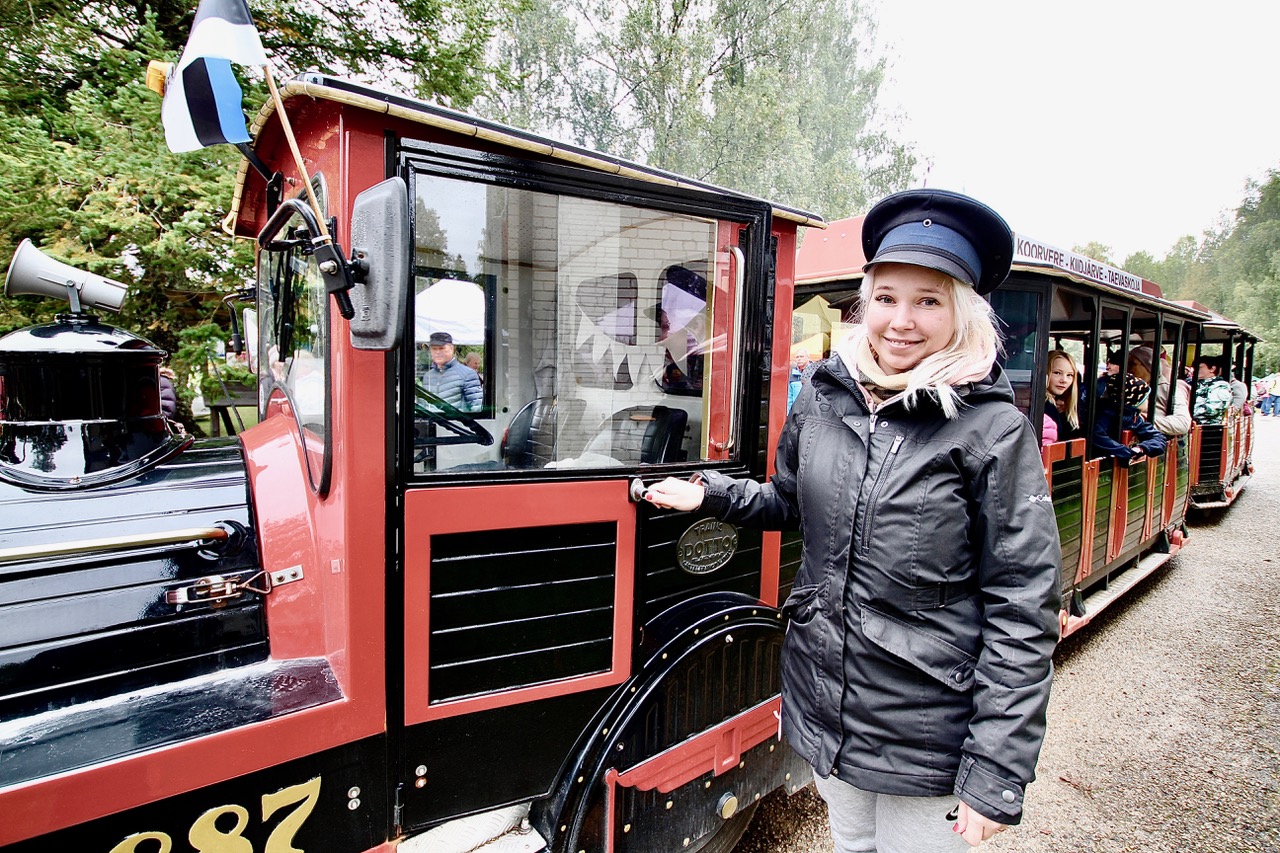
(976, 828)
(675, 494)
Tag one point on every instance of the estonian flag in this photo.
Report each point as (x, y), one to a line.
(202, 99)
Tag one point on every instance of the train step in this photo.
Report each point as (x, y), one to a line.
(503, 830)
(1229, 495)
(1116, 587)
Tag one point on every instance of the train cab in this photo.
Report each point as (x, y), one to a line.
(420, 605)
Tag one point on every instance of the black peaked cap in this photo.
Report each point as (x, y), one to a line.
(981, 226)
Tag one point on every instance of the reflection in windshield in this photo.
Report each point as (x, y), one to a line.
(588, 324)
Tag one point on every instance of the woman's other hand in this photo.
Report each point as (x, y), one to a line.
(976, 828)
(675, 494)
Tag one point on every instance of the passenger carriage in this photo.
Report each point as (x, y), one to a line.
(1117, 523)
(379, 619)
(1223, 461)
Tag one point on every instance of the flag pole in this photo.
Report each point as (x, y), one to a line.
(297, 155)
(333, 266)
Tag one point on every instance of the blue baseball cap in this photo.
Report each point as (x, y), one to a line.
(940, 230)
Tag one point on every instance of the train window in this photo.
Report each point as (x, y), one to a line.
(1019, 313)
(293, 337)
(592, 322)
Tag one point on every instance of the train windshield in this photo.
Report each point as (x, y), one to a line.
(578, 332)
(293, 338)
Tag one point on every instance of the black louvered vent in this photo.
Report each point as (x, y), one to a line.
(663, 583)
(789, 563)
(1211, 439)
(518, 607)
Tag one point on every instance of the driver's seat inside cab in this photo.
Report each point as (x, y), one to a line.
(556, 332)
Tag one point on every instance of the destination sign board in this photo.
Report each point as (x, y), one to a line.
(1027, 250)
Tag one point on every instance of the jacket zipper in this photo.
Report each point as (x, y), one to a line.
(875, 492)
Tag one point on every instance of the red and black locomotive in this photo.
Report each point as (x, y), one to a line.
(387, 617)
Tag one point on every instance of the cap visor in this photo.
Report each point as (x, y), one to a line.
(917, 258)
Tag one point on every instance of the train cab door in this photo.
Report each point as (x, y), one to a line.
(570, 332)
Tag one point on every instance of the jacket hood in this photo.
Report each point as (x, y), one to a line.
(833, 375)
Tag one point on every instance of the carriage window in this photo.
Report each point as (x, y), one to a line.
(1019, 312)
(821, 322)
(559, 332)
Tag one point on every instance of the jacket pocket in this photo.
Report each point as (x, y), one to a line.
(935, 657)
(802, 604)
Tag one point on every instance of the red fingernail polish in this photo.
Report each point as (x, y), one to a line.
(955, 827)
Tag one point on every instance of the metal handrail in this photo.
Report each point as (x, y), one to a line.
(740, 264)
(182, 536)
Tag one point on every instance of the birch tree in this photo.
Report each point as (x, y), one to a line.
(772, 97)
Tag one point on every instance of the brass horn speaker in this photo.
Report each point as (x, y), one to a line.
(33, 273)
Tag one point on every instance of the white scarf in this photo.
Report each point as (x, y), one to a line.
(939, 372)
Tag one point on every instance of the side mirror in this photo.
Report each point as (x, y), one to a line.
(380, 255)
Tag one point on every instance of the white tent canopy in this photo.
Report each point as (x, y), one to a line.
(452, 306)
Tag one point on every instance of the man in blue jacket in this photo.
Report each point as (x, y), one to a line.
(449, 379)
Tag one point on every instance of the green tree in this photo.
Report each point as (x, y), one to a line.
(1246, 266)
(777, 100)
(84, 169)
(1143, 264)
(91, 182)
(1235, 268)
(1097, 251)
(434, 47)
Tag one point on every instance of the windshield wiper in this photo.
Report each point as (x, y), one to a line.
(464, 426)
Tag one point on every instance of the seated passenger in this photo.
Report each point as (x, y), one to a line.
(682, 324)
(1048, 431)
(1062, 395)
(1124, 394)
(1239, 392)
(1173, 402)
(796, 377)
(476, 363)
(1213, 394)
(1111, 368)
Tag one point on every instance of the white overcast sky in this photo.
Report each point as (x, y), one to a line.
(1126, 122)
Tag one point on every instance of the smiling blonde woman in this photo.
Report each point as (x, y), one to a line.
(916, 665)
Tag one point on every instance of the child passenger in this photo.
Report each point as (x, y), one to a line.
(1173, 401)
(1048, 431)
(917, 662)
(1062, 394)
(1124, 395)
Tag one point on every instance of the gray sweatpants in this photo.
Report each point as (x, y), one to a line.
(862, 822)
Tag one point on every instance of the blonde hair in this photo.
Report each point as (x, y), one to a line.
(975, 341)
(1069, 405)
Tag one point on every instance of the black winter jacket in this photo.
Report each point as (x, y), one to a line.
(925, 611)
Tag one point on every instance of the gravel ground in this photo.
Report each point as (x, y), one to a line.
(1164, 723)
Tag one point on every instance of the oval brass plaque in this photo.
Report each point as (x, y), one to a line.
(706, 546)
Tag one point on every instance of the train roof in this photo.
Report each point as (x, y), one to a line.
(835, 254)
(1224, 326)
(351, 93)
